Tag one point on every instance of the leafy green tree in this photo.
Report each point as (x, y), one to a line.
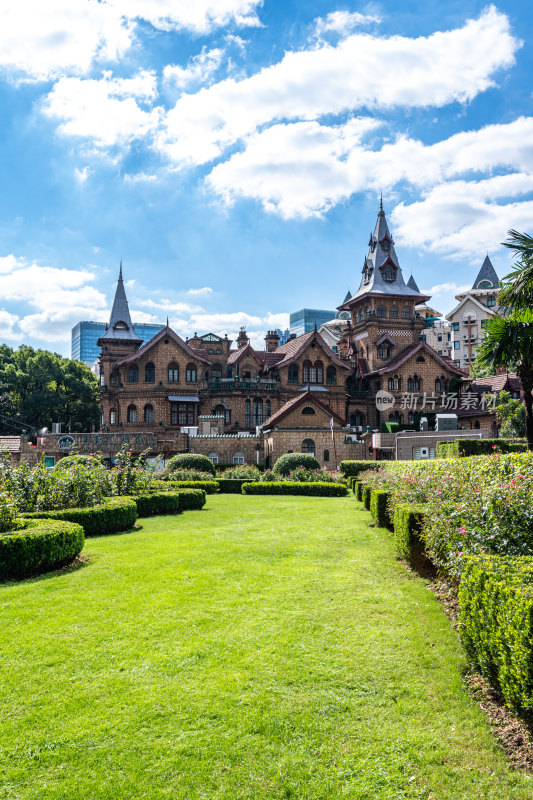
(511, 414)
(517, 287)
(40, 387)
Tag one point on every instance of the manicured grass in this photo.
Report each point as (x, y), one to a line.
(261, 648)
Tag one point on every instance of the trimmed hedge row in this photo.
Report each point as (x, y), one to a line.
(40, 546)
(408, 522)
(496, 624)
(366, 491)
(477, 447)
(379, 499)
(232, 485)
(316, 488)
(192, 499)
(115, 514)
(355, 467)
(156, 503)
(209, 487)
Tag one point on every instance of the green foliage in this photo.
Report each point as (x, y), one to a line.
(192, 499)
(114, 515)
(379, 499)
(243, 472)
(231, 485)
(190, 461)
(461, 448)
(511, 413)
(45, 387)
(355, 467)
(305, 475)
(39, 546)
(496, 624)
(366, 493)
(408, 524)
(358, 487)
(148, 505)
(210, 487)
(187, 475)
(68, 462)
(517, 287)
(129, 475)
(291, 461)
(317, 488)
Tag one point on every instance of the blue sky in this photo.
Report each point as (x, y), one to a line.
(232, 153)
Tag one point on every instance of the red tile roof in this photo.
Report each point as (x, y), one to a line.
(497, 383)
(411, 350)
(293, 348)
(304, 397)
(165, 332)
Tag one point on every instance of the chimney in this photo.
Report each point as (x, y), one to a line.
(242, 338)
(271, 341)
(291, 337)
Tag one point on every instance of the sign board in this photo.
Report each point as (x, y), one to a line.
(66, 442)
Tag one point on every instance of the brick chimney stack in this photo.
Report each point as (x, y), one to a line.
(271, 341)
(242, 338)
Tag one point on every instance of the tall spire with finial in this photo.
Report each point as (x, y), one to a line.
(381, 203)
(120, 271)
(120, 325)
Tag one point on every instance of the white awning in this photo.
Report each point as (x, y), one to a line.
(186, 398)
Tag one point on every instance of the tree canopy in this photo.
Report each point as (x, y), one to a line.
(39, 387)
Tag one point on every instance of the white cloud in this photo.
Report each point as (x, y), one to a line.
(140, 177)
(446, 288)
(205, 290)
(7, 322)
(361, 71)
(142, 316)
(199, 16)
(168, 306)
(343, 22)
(199, 69)
(106, 110)
(81, 175)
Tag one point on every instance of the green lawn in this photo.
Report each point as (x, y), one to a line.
(260, 648)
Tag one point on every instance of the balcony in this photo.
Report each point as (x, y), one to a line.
(359, 395)
(233, 384)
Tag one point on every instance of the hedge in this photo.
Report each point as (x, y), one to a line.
(191, 499)
(221, 466)
(209, 487)
(358, 490)
(190, 461)
(40, 546)
(476, 447)
(355, 467)
(408, 521)
(496, 624)
(379, 510)
(317, 488)
(148, 505)
(365, 496)
(290, 461)
(115, 514)
(232, 485)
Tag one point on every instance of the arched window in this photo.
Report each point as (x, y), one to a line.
(413, 383)
(308, 446)
(238, 458)
(216, 372)
(438, 385)
(307, 366)
(406, 312)
(114, 377)
(267, 409)
(393, 312)
(258, 412)
(213, 457)
(148, 413)
(399, 384)
(391, 384)
(308, 410)
(247, 414)
(113, 416)
(420, 360)
(319, 372)
(132, 414)
(133, 374)
(293, 373)
(395, 416)
(173, 372)
(382, 311)
(326, 455)
(476, 424)
(190, 375)
(331, 376)
(149, 373)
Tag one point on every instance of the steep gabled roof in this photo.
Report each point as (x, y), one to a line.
(476, 302)
(497, 383)
(120, 326)
(290, 405)
(164, 333)
(486, 273)
(410, 351)
(294, 348)
(237, 355)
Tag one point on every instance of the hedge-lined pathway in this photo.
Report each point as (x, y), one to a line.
(261, 648)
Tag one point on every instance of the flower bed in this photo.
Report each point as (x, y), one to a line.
(39, 546)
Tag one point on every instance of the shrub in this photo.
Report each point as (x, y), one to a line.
(231, 485)
(190, 461)
(306, 475)
(355, 467)
(187, 475)
(73, 460)
(290, 461)
(408, 524)
(191, 499)
(242, 471)
(476, 447)
(379, 499)
(210, 487)
(358, 490)
(365, 496)
(39, 546)
(148, 505)
(292, 487)
(496, 624)
(115, 514)
(129, 475)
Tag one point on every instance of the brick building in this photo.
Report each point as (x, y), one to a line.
(243, 404)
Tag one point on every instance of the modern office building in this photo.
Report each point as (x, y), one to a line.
(305, 319)
(85, 336)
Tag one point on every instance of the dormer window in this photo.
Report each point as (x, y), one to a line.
(389, 274)
(121, 326)
(386, 244)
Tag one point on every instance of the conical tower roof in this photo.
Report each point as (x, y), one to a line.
(120, 326)
(486, 275)
(348, 296)
(412, 284)
(382, 273)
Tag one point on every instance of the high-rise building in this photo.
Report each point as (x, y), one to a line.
(305, 319)
(85, 336)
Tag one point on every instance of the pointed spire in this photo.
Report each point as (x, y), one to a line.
(486, 275)
(348, 297)
(120, 325)
(167, 322)
(381, 203)
(412, 284)
(120, 271)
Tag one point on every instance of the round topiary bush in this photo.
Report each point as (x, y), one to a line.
(190, 461)
(290, 461)
(39, 546)
(72, 461)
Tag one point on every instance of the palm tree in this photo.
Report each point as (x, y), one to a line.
(517, 290)
(508, 343)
